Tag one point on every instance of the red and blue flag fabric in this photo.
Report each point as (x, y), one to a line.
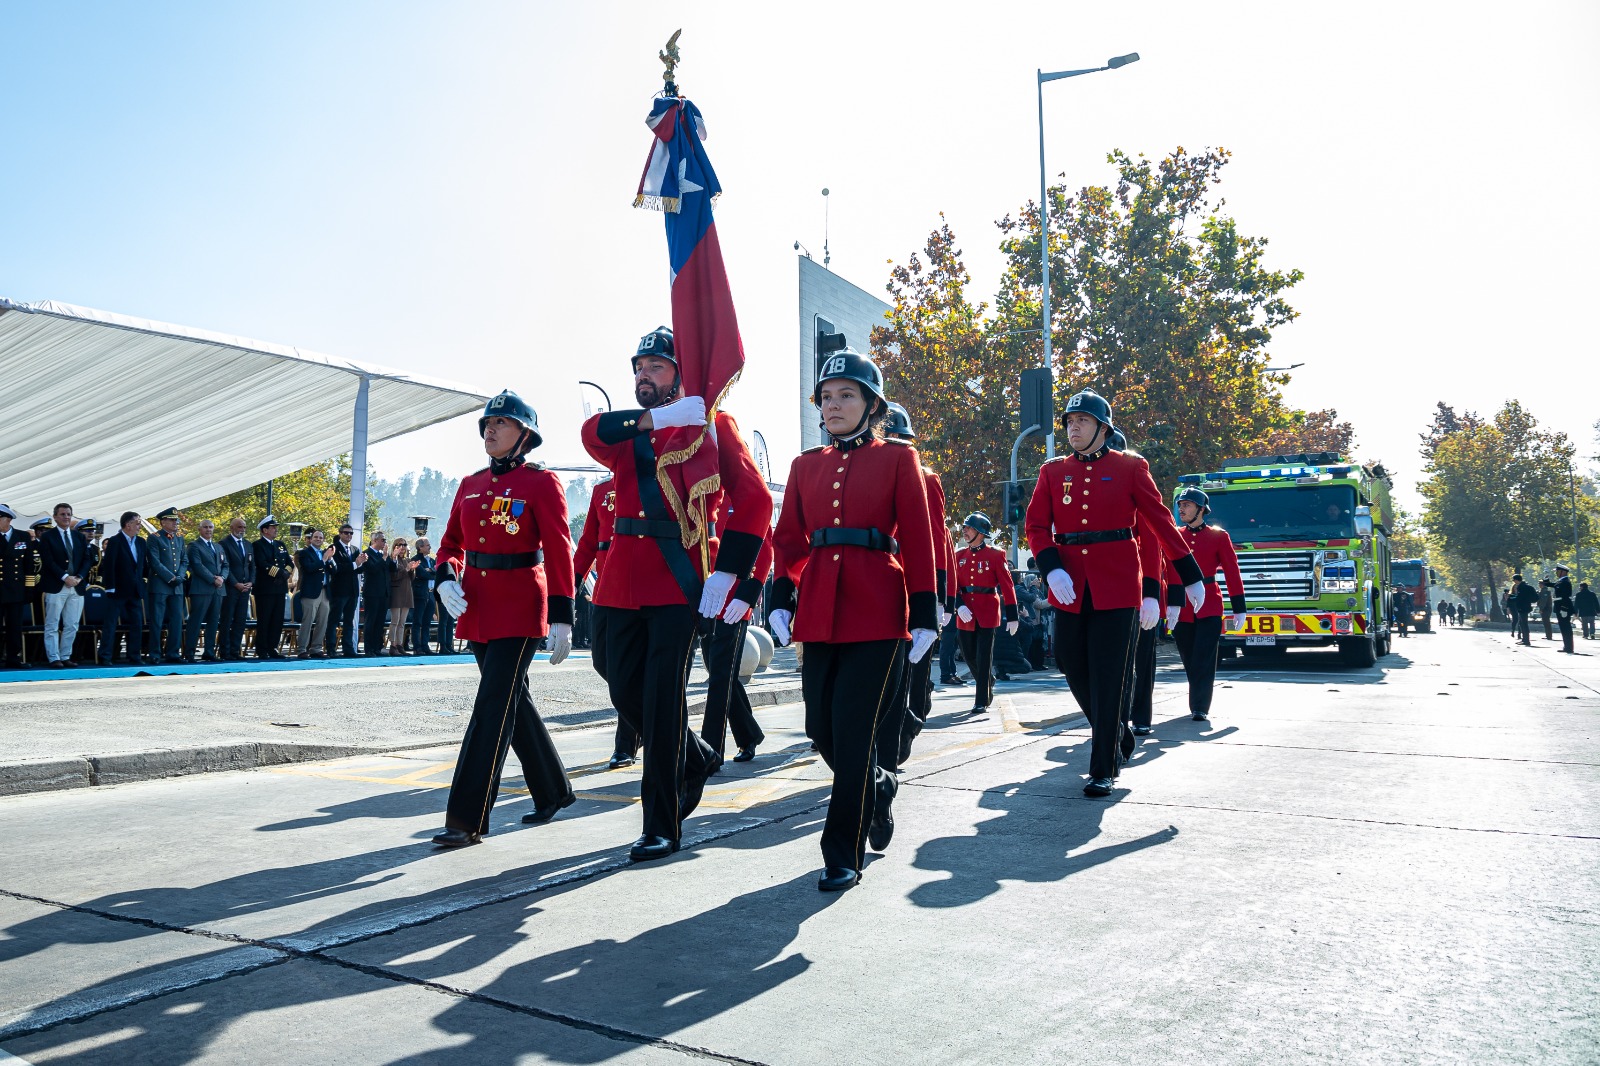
(679, 182)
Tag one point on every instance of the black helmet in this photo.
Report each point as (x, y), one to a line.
(851, 366)
(1194, 496)
(979, 521)
(1092, 404)
(509, 405)
(899, 424)
(658, 342)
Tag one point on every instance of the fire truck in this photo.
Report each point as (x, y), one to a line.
(1417, 578)
(1312, 534)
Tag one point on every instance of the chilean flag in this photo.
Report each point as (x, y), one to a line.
(679, 182)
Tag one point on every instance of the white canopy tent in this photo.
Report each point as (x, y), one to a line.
(113, 413)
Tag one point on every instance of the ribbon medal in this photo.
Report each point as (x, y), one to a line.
(500, 510)
(1066, 489)
(517, 506)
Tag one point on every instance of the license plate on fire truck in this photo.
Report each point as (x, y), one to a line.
(1260, 642)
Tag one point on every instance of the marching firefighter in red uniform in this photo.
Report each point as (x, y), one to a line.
(1140, 713)
(1081, 529)
(599, 525)
(727, 703)
(913, 699)
(652, 582)
(982, 581)
(505, 563)
(853, 538)
(1199, 631)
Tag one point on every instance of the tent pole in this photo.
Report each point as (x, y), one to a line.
(358, 463)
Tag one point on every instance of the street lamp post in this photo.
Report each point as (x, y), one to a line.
(1044, 213)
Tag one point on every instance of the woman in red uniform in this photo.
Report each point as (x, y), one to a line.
(982, 581)
(1198, 633)
(599, 525)
(505, 567)
(854, 539)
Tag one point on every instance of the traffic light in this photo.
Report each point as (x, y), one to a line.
(1017, 494)
(1038, 407)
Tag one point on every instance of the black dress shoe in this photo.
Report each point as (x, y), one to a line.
(620, 759)
(210, 658)
(1142, 730)
(457, 838)
(58, 664)
(746, 754)
(1199, 716)
(694, 786)
(648, 847)
(838, 878)
(881, 829)
(70, 664)
(1099, 786)
(1126, 743)
(542, 814)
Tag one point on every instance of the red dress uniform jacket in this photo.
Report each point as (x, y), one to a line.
(1107, 491)
(522, 510)
(1213, 550)
(599, 523)
(849, 593)
(636, 572)
(944, 560)
(983, 567)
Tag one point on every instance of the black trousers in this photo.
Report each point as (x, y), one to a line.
(847, 690)
(119, 610)
(1094, 648)
(235, 611)
(269, 618)
(205, 611)
(375, 625)
(900, 723)
(1519, 626)
(13, 617)
(1197, 645)
(1587, 621)
(1565, 622)
(727, 703)
(648, 651)
(421, 622)
(1141, 693)
(948, 643)
(626, 740)
(341, 620)
(166, 613)
(447, 628)
(977, 647)
(503, 716)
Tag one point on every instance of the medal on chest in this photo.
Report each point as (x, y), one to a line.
(506, 512)
(1066, 489)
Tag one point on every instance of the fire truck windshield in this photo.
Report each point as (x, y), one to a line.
(1407, 574)
(1306, 512)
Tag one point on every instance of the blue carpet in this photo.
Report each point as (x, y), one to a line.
(249, 666)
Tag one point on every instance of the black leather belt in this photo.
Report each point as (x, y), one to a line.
(873, 539)
(645, 527)
(504, 560)
(1098, 536)
(990, 589)
(603, 545)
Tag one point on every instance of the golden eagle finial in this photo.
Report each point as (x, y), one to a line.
(669, 60)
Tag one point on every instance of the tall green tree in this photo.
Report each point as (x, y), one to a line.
(318, 495)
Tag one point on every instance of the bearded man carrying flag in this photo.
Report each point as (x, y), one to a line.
(676, 464)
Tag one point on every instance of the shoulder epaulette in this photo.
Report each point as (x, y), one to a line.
(896, 440)
(1057, 459)
(815, 448)
(475, 473)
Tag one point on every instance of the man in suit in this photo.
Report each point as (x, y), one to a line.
(271, 588)
(316, 566)
(63, 582)
(208, 586)
(169, 565)
(240, 561)
(374, 570)
(20, 564)
(122, 572)
(342, 592)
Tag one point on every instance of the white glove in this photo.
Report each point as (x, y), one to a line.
(1149, 613)
(715, 594)
(685, 411)
(1197, 595)
(736, 611)
(1235, 622)
(921, 641)
(1012, 627)
(964, 613)
(1060, 583)
(588, 584)
(560, 641)
(944, 617)
(1173, 614)
(779, 621)
(454, 600)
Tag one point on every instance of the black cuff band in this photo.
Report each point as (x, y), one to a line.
(1236, 601)
(1174, 595)
(1011, 612)
(924, 611)
(1188, 569)
(748, 590)
(941, 584)
(1152, 588)
(618, 426)
(736, 552)
(1048, 560)
(783, 596)
(558, 609)
(950, 605)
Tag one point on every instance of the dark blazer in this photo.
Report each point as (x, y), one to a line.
(206, 561)
(342, 573)
(375, 578)
(422, 578)
(313, 571)
(241, 562)
(58, 564)
(270, 553)
(120, 573)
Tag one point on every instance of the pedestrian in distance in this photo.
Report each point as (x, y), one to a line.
(168, 568)
(373, 566)
(1520, 599)
(68, 561)
(594, 542)
(1444, 613)
(423, 576)
(122, 572)
(856, 582)
(505, 569)
(1399, 608)
(271, 589)
(21, 563)
(241, 566)
(983, 598)
(1561, 600)
(659, 579)
(314, 561)
(1546, 603)
(401, 600)
(1080, 525)
(1587, 605)
(343, 590)
(208, 587)
(1198, 632)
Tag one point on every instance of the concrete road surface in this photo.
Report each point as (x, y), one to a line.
(1396, 865)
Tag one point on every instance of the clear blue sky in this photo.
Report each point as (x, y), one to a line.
(445, 188)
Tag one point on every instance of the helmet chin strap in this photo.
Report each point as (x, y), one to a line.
(514, 458)
(861, 427)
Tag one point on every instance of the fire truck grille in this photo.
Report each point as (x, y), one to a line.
(1272, 576)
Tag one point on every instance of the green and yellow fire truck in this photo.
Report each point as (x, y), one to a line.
(1312, 534)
